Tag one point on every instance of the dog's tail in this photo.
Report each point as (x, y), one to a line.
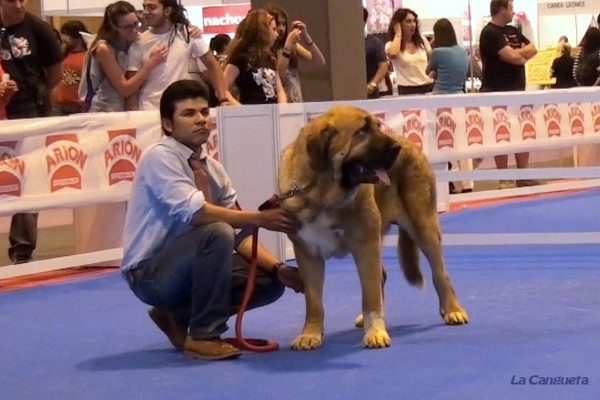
(408, 253)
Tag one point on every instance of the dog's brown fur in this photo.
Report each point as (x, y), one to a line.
(359, 215)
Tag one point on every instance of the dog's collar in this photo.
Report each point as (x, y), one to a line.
(295, 189)
(275, 200)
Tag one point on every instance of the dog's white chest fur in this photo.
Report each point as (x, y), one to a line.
(322, 238)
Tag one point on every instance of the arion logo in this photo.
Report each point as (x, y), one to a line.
(501, 123)
(413, 127)
(121, 156)
(474, 125)
(12, 169)
(65, 161)
(527, 122)
(552, 119)
(576, 119)
(445, 128)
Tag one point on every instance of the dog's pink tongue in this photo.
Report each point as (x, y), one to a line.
(383, 176)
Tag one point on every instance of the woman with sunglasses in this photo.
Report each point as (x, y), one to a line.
(106, 61)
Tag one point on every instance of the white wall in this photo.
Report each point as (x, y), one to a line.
(481, 9)
(549, 31)
(436, 8)
(451, 9)
(571, 19)
(81, 5)
(96, 7)
(54, 5)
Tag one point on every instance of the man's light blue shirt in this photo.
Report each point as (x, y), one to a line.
(164, 199)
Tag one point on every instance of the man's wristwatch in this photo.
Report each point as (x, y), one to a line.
(221, 101)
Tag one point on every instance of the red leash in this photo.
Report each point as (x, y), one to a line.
(255, 345)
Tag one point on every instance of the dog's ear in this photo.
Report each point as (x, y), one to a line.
(317, 147)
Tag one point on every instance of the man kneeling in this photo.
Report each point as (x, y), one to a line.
(179, 236)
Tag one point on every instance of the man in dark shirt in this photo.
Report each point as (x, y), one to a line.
(376, 60)
(32, 57)
(504, 52)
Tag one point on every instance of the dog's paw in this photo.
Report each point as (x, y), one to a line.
(359, 322)
(376, 336)
(307, 342)
(376, 339)
(457, 316)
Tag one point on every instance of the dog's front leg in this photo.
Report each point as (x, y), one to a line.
(368, 262)
(312, 271)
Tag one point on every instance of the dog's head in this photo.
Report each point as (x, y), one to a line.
(349, 142)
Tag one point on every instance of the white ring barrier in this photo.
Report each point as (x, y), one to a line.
(88, 160)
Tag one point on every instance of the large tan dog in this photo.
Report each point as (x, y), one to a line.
(348, 182)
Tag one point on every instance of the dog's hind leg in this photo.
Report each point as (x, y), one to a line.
(428, 236)
(408, 254)
(312, 271)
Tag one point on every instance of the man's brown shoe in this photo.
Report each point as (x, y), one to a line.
(211, 349)
(165, 321)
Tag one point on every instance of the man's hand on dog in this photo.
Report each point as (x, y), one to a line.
(279, 220)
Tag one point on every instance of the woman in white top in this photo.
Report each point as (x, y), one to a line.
(408, 51)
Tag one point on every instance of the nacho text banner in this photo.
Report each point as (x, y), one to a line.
(65, 162)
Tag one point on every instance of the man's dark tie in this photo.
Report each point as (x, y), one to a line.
(200, 177)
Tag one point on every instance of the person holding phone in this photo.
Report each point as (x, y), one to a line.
(409, 52)
(291, 47)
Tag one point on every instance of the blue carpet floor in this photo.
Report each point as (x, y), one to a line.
(574, 212)
(533, 311)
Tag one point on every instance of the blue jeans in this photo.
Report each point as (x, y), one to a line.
(199, 280)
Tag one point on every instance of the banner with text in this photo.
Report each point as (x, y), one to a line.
(449, 133)
(83, 159)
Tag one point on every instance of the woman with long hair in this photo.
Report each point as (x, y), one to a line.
(448, 62)
(106, 61)
(587, 61)
(290, 51)
(448, 66)
(408, 51)
(218, 44)
(251, 63)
